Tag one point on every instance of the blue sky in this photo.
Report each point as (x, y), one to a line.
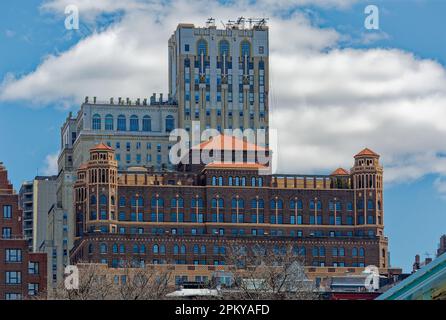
(414, 195)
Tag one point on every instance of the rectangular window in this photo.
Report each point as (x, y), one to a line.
(7, 212)
(13, 255)
(13, 277)
(33, 289)
(33, 267)
(6, 233)
(13, 296)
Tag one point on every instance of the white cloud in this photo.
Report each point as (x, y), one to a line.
(328, 103)
(50, 164)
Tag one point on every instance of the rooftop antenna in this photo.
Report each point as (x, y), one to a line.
(241, 21)
(210, 22)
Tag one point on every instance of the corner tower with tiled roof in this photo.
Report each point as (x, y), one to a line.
(99, 209)
(367, 178)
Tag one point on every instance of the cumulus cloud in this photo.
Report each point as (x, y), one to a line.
(50, 164)
(327, 103)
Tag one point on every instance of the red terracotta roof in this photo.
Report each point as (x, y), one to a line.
(83, 166)
(235, 165)
(223, 142)
(340, 172)
(367, 152)
(102, 146)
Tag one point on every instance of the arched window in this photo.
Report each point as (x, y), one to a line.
(203, 249)
(276, 204)
(224, 48)
(112, 200)
(108, 122)
(103, 248)
(245, 48)
(354, 252)
(155, 249)
(183, 249)
(237, 181)
(162, 249)
(115, 248)
(93, 199)
(134, 123)
(214, 203)
(243, 181)
(176, 249)
(142, 249)
(315, 252)
(197, 202)
(202, 47)
(370, 205)
(239, 202)
(253, 181)
(349, 206)
(230, 181)
(260, 182)
(177, 202)
(90, 248)
(135, 248)
(122, 248)
(379, 205)
(313, 204)
(334, 252)
(196, 249)
(361, 252)
(170, 123)
(220, 181)
(103, 199)
(122, 201)
(322, 251)
(214, 180)
(157, 202)
(96, 122)
(121, 123)
(341, 252)
(146, 123)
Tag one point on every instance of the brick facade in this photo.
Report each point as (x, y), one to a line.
(192, 217)
(22, 273)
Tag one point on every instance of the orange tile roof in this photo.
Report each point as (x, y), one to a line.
(224, 142)
(235, 165)
(340, 172)
(83, 166)
(367, 152)
(102, 146)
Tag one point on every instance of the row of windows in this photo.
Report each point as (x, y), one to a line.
(238, 218)
(237, 181)
(121, 124)
(237, 232)
(223, 48)
(201, 249)
(256, 203)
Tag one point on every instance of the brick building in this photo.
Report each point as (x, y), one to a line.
(22, 273)
(190, 217)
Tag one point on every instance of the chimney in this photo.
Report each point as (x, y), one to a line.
(94, 100)
(86, 99)
(138, 101)
(111, 100)
(128, 101)
(119, 100)
(144, 102)
(161, 98)
(427, 261)
(153, 98)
